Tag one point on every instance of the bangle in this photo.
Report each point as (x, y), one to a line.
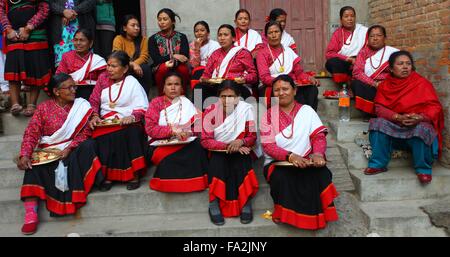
(289, 159)
(288, 156)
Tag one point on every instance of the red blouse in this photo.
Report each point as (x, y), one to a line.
(208, 140)
(264, 61)
(336, 44)
(360, 63)
(318, 143)
(72, 62)
(241, 63)
(103, 82)
(47, 119)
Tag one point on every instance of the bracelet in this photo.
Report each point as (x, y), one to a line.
(289, 158)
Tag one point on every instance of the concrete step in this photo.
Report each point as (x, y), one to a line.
(354, 158)
(13, 125)
(11, 177)
(330, 109)
(10, 146)
(350, 223)
(400, 184)
(400, 218)
(346, 131)
(326, 84)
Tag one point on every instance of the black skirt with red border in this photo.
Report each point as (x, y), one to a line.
(340, 70)
(232, 180)
(83, 171)
(364, 96)
(123, 153)
(180, 168)
(302, 198)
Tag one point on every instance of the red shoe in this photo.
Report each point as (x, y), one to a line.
(373, 171)
(424, 178)
(30, 228)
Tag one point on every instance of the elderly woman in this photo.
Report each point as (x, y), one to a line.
(228, 62)
(229, 134)
(82, 64)
(169, 49)
(344, 46)
(181, 167)
(294, 142)
(131, 41)
(58, 126)
(410, 116)
(245, 36)
(67, 16)
(370, 68)
(200, 50)
(119, 103)
(26, 50)
(274, 59)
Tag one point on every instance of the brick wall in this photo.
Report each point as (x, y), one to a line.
(422, 27)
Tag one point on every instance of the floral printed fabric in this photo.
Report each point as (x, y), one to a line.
(164, 42)
(68, 32)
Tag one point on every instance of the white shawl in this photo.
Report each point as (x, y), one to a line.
(224, 64)
(79, 113)
(376, 59)
(187, 113)
(354, 43)
(287, 40)
(95, 62)
(234, 124)
(288, 60)
(132, 98)
(306, 124)
(252, 40)
(207, 50)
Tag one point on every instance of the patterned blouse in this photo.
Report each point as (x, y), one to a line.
(72, 62)
(41, 14)
(318, 143)
(360, 63)
(162, 47)
(208, 141)
(47, 119)
(241, 65)
(264, 61)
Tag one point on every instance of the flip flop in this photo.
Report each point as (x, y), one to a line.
(16, 109)
(29, 111)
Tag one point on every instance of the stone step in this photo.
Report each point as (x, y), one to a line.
(191, 224)
(354, 157)
(330, 109)
(400, 184)
(400, 219)
(326, 84)
(10, 146)
(13, 125)
(11, 177)
(346, 131)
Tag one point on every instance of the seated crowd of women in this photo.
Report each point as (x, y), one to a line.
(104, 130)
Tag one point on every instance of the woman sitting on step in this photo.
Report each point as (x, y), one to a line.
(409, 116)
(82, 64)
(245, 36)
(119, 104)
(294, 142)
(371, 68)
(229, 134)
(59, 130)
(274, 59)
(180, 167)
(344, 46)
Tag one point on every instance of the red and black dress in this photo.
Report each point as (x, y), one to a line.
(53, 126)
(26, 61)
(180, 168)
(122, 149)
(231, 177)
(302, 197)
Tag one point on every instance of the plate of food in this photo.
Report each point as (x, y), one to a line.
(283, 163)
(165, 142)
(216, 80)
(108, 122)
(303, 82)
(218, 151)
(322, 74)
(44, 156)
(331, 94)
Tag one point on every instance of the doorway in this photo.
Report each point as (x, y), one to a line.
(122, 8)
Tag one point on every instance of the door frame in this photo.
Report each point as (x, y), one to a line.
(143, 18)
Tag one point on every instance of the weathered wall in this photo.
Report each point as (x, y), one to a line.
(422, 27)
(215, 12)
(362, 12)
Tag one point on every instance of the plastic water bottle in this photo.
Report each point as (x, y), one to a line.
(344, 104)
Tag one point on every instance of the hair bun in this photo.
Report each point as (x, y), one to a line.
(267, 19)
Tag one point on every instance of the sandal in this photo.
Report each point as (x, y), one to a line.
(134, 184)
(16, 109)
(29, 111)
(105, 186)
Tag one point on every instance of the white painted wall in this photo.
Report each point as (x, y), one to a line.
(214, 12)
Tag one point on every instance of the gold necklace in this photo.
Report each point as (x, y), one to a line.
(12, 2)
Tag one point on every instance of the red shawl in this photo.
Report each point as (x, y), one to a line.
(413, 94)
